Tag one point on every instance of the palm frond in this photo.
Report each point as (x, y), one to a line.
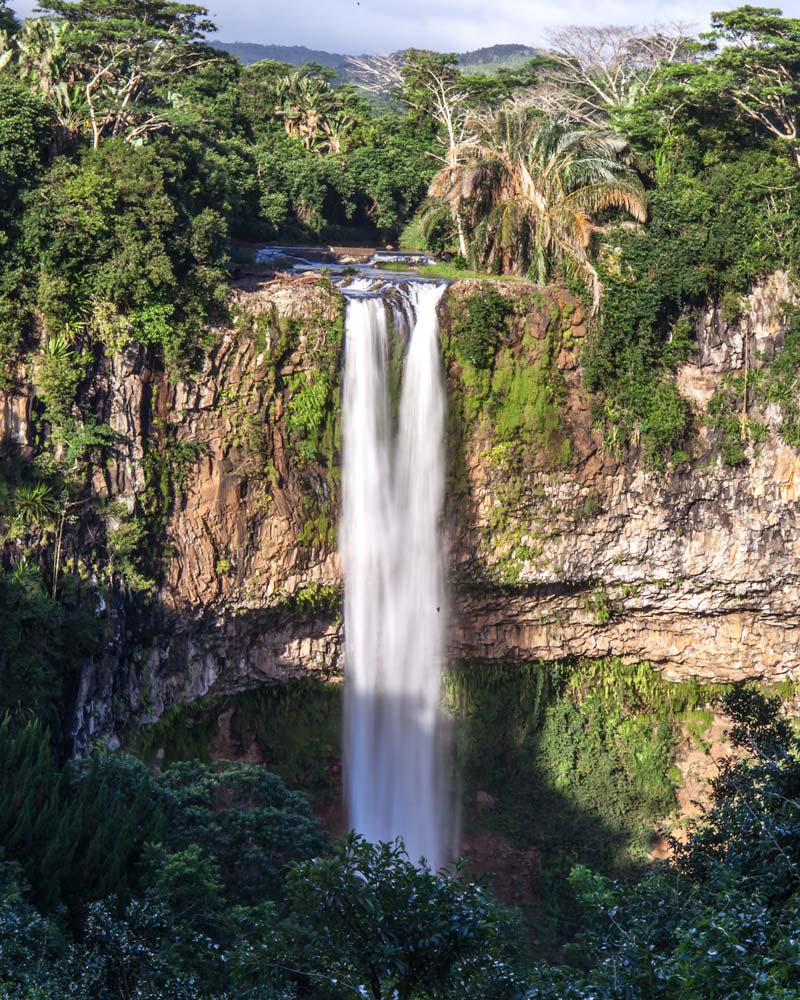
(528, 190)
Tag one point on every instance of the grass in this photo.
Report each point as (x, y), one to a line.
(454, 273)
(442, 269)
(388, 265)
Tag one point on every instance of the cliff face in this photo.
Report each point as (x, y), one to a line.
(557, 548)
(249, 533)
(694, 570)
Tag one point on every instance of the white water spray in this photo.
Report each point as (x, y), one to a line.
(393, 566)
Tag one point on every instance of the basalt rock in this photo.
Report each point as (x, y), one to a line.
(696, 570)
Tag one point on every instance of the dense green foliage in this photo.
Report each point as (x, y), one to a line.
(199, 882)
(374, 922)
(723, 209)
(720, 920)
(175, 884)
(41, 641)
(577, 759)
(479, 329)
(121, 255)
(76, 833)
(711, 235)
(244, 819)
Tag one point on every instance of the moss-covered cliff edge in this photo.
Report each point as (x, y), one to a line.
(218, 501)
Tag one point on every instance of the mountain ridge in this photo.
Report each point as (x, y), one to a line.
(494, 56)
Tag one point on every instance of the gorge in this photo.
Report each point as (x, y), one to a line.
(587, 559)
(399, 515)
(693, 570)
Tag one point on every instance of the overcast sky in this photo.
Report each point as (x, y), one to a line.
(372, 26)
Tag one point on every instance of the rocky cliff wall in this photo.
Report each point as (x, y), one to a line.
(694, 569)
(557, 549)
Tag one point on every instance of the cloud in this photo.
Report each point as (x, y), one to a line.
(356, 26)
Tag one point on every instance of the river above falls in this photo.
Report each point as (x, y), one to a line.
(381, 265)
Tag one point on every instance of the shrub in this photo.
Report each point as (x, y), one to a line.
(480, 326)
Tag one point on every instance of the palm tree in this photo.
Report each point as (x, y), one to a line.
(334, 127)
(34, 503)
(529, 192)
(33, 506)
(38, 53)
(310, 111)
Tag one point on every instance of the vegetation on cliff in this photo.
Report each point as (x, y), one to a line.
(720, 918)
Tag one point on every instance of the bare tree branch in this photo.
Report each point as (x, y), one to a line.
(596, 69)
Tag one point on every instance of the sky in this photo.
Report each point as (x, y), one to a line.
(376, 26)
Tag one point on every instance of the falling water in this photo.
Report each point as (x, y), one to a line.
(392, 557)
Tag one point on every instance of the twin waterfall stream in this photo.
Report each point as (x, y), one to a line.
(392, 555)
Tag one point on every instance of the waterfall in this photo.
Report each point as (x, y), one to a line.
(392, 485)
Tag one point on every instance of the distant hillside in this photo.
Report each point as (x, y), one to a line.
(295, 55)
(485, 60)
(498, 55)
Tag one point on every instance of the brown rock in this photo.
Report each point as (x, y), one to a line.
(695, 570)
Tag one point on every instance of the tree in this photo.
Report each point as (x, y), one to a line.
(311, 112)
(531, 191)
(129, 56)
(41, 641)
(244, 818)
(431, 85)
(24, 135)
(127, 251)
(75, 832)
(120, 955)
(257, 87)
(40, 56)
(366, 921)
(24, 140)
(8, 21)
(758, 68)
(29, 943)
(594, 70)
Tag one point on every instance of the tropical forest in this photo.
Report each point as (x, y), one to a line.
(399, 510)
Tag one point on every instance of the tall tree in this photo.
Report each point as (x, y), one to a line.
(532, 190)
(128, 56)
(311, 111)
(758, 68)
(367, 920)
(39, 56)
(593, 70)
(431, 85)
(8, 21)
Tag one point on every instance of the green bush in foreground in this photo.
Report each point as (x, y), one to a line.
(720, 920)
(367, 920)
